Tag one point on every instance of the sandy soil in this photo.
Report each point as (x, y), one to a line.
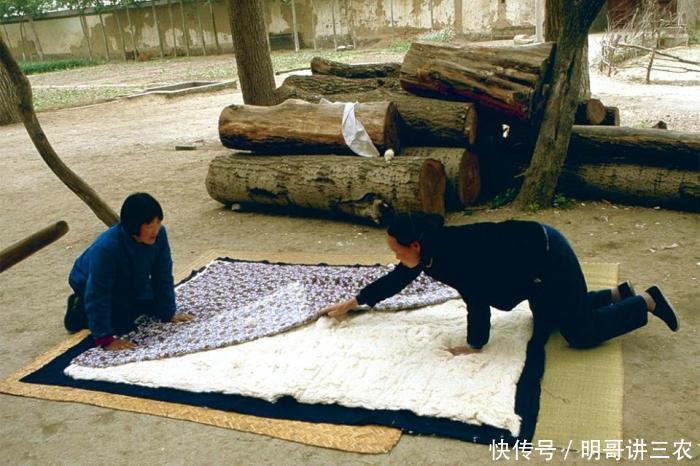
(126, 146)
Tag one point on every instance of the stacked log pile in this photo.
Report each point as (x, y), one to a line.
(462, 123)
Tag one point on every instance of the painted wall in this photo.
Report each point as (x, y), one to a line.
(365, 19)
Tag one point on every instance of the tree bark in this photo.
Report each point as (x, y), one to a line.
(39, 48)
(590, 112)
(24, 93)
(185, 32)
(132, 33)
(462, 175)
(294, 26)
(612, 117)
(86, 34)
(172, 27)
(646, 147)
(329, 85)
(213, 27)
(121, 33)
(632, 184)
(252, 52)
(104, 36)
(201, 31)
(295, 126)
(552, 143)
(507, 80)
(321, 65)
(22, 249)
(365, 188)
(156, 23)
(9, 111)
(424, 121)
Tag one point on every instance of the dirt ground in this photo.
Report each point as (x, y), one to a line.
(126, 146)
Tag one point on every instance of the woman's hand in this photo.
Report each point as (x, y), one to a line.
(458, 350)
(119, 344)
(340, 309)
(183, 317)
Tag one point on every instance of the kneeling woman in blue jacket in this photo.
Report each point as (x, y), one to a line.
(127, 272)
(502, 264)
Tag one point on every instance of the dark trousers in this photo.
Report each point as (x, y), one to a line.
(562, 300)
(124, 313)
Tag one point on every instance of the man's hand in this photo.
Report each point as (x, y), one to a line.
(457, 350)
(181, 318)
(119, 344)
(337, 310)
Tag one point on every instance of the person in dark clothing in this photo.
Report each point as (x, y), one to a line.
(501, 264)
(125, 273)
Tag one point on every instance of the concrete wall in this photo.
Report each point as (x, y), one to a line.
(61, 35)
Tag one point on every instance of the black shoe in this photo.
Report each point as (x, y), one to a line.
(75, 319)
(626, 290)
(663, 309)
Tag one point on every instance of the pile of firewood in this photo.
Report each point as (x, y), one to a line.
(461, 121)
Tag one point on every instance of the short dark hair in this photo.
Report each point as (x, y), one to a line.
(139, 209)
(413, 226)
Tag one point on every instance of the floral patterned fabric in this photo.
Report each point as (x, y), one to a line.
(236, 301)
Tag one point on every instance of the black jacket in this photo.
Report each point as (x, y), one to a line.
(489, 264)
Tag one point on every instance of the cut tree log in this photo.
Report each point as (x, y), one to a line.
(31, 244)
(638, 146)
(327, 85)
(507, 80)
(371, 189)
(425, 122)
(632, 184)
(371, 70)
(299, 127)
(590, 112)
(612, 117)
(461, 171)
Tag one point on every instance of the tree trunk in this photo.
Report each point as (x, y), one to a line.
(463, 179)
(373, 70)
(632, 184)
(252, 52)
(9, 112)
(507, 80)
(553, 28)
(131, 31)
(313, 25)
(172, 27)
(590, 112)
(39, 48)
(24, 93)
(185, 31)
(213, 27)
(335, 39)
(104, 36)
(294, 26)
(459, 14)
(121, 34)
(22, 249)
(552, 143)
(366, 188)
(156, 23)
(424, 121)
(86, 34)
(201, 31)
(350, 21)
(295, 126)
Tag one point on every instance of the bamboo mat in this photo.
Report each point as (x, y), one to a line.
(568, 390)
